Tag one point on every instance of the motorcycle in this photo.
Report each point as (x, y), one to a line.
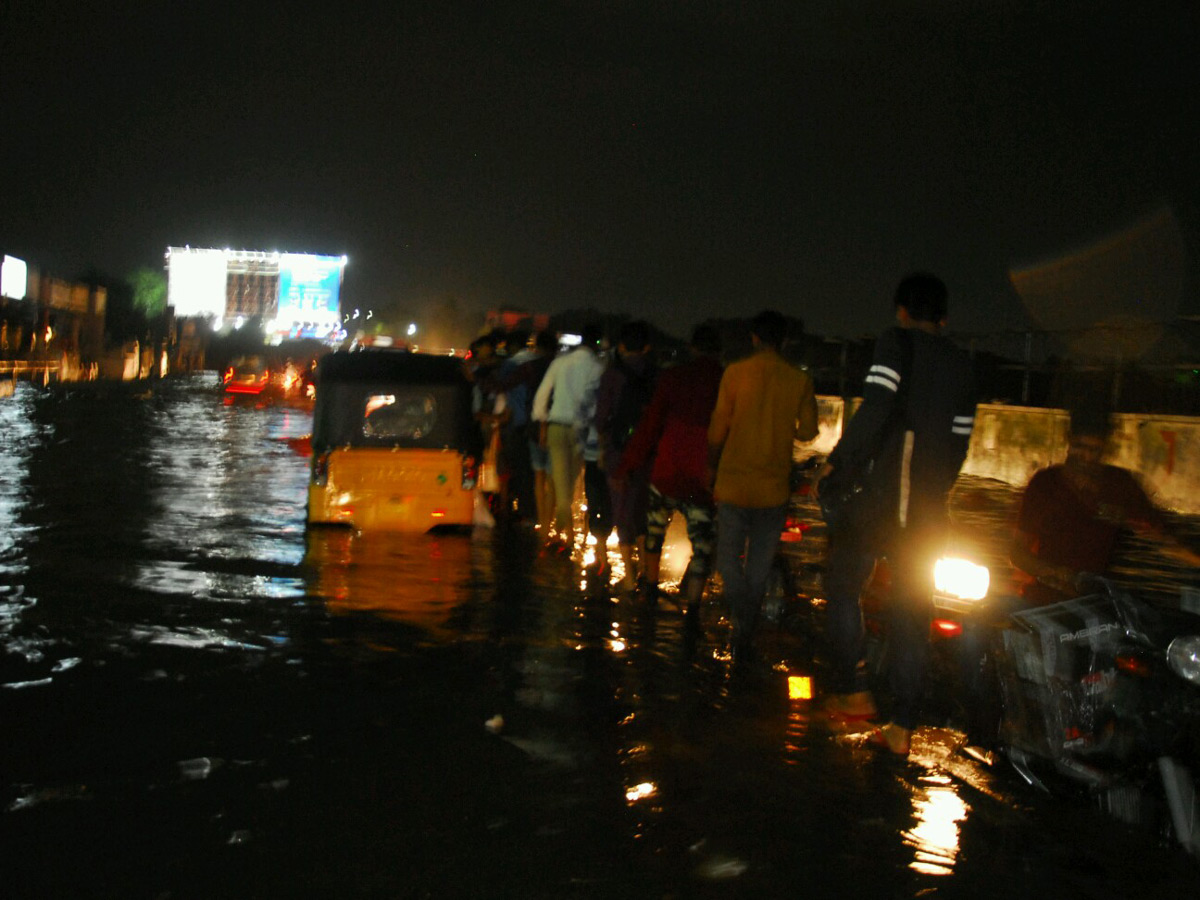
(1099, 694)
(961, 595)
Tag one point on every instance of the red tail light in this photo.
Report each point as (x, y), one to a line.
(793, 530)
(1133, 665)
(946, 628)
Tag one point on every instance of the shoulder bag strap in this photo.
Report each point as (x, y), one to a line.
(902, 422)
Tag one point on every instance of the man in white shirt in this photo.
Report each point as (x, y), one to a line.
(558, 408)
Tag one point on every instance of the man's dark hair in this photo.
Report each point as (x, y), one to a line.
(924, 296)
(770, 327)
(635, 336)
(706, 340)
(484, 339)
(1087, 398)
(1090, 421)
(516, 340)
(591, 335)
(545, 341)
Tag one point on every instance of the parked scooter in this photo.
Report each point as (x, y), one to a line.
(1099, 694)
(1104, 689)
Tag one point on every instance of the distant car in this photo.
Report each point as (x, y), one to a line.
(248, 376)
(254, 376)
(395, 445)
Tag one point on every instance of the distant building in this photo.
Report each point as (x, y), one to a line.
(294, 295)
(47, 318)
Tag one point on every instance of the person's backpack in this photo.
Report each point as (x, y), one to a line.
(636, 391)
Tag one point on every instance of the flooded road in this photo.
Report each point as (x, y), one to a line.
(201, 700)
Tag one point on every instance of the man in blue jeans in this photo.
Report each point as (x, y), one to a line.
(764, 404)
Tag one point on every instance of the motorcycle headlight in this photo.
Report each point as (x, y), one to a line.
(961, 578)
(1183, 656)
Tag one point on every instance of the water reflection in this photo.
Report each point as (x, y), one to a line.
(797, 735)
(16, 446)
(934, 838)
(209, 460)
(421, 580)
(640, 791)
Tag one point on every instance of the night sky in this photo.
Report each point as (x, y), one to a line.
(674, 160)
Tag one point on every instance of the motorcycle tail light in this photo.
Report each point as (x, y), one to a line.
(1132, 664)
(945, 628)
(1183, 656)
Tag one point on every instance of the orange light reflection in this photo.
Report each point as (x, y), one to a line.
(935, 836)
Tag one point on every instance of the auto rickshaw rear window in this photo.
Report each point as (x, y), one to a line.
(400, 416)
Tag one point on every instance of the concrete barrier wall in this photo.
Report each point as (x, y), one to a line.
(1165, 450)
(1010, 443)
(829, 421)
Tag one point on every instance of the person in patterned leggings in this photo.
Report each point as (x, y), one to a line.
(674, 432)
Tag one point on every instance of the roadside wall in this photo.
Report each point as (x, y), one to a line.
(1166, 451)
(1010, 443)
(829, 421)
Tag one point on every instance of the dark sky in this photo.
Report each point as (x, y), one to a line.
(676, 160)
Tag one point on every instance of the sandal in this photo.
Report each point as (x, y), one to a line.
(893, 738)
(850, 712)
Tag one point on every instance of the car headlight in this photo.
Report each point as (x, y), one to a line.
(961, 578)
(1183, 656)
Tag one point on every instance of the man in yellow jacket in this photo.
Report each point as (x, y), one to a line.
(764, 404)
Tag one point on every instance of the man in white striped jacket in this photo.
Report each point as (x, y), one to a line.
(918, 448)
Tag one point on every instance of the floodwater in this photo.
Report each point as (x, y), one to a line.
(198, 699)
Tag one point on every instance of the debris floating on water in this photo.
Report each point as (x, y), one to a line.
(722, 867)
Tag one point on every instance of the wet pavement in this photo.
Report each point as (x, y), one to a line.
(201, 700)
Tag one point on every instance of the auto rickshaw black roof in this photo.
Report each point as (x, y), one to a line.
(346, 379)
(387, 365)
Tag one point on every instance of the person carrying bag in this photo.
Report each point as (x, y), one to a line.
(855, 496)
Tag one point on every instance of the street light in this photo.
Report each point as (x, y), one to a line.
(412, 328)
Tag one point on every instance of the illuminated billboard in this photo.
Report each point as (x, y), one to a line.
(308, 289)
(196, 282)
(294, 293)
(13, 277)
